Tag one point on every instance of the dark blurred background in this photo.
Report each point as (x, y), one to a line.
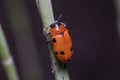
(93, 28)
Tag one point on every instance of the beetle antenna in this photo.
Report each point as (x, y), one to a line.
(59, 17)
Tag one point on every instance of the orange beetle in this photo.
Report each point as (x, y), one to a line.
(61, 41)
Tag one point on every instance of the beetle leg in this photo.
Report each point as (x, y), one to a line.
(53, 69)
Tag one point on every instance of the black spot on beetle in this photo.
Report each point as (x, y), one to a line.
(62, 53)
(54, 40)
(71, 49)
(56, 53)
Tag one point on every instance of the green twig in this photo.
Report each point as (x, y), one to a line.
(6, 58)
(46, 13)
(117, 6)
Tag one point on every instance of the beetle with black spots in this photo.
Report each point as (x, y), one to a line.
(61, 41)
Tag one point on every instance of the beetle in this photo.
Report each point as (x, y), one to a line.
(61, 41)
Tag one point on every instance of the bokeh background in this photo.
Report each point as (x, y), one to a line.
(93, 28)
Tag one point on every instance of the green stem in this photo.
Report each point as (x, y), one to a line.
(6, 58)
(46, 13)
(117, 6)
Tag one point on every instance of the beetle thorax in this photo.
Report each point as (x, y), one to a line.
(57, 27)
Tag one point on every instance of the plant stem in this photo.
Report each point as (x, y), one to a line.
(117, 6)
(46, 13)
(6, 58)
(25, 45)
